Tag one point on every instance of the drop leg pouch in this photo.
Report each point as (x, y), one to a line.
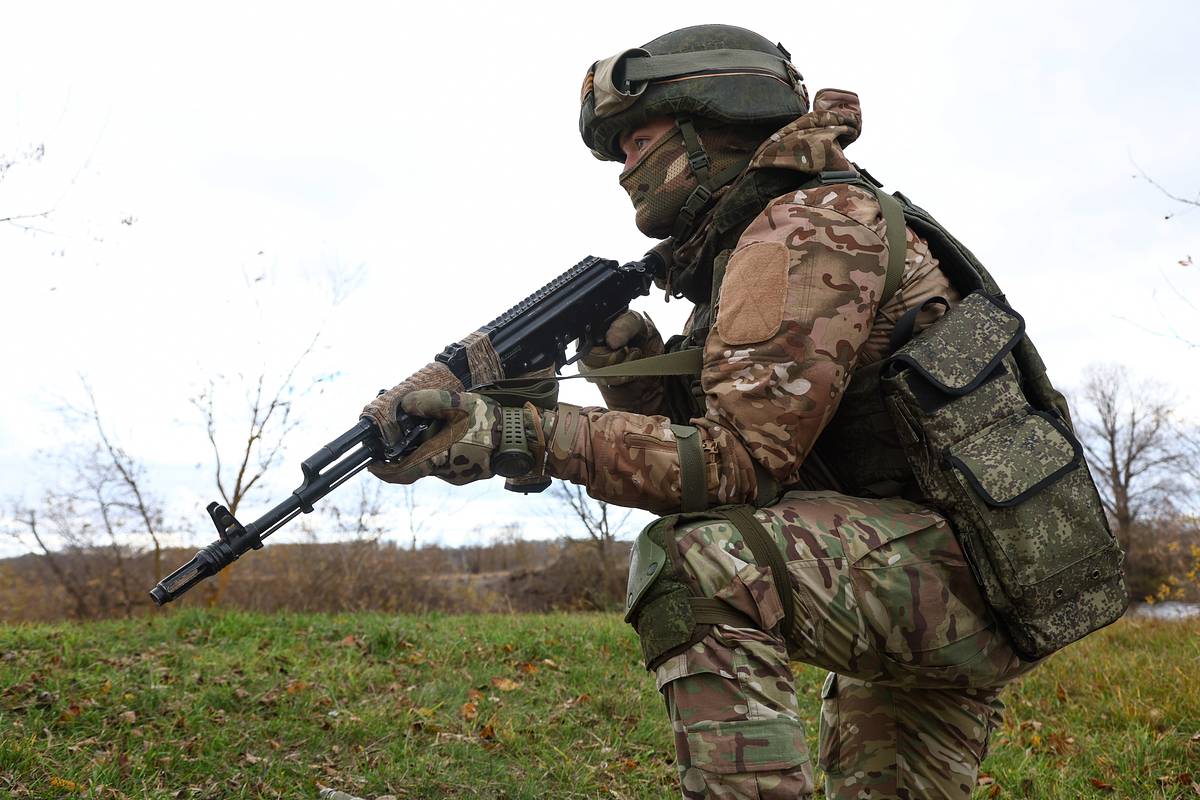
(1009, 476)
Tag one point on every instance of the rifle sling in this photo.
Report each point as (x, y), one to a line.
(680, 362)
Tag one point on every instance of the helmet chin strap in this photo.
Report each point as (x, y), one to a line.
(707, 183)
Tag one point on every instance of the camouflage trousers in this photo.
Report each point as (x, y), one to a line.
(884, 599)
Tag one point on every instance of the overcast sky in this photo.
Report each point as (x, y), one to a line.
(215, 173)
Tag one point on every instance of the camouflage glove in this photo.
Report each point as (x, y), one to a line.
(631, 335)
(461, 450)
(382, 409)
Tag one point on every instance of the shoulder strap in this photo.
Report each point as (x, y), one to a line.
(893, 221)
(897, 242)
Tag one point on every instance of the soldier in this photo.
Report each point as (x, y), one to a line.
(814, 552)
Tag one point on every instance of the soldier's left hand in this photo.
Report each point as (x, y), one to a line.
(460, 451)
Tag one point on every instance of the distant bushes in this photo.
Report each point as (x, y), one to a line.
(334, 577)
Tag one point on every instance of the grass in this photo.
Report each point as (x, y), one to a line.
(233, 705)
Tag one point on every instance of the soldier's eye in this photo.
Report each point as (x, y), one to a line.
(641, 143)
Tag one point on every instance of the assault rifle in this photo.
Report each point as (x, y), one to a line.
(532, 335)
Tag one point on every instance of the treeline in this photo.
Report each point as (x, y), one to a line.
(361, 575)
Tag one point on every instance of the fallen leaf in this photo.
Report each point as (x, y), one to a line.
(578, 700)
(487, 732)
(240, 693)
(505, 684)
(994, 791)
(528, 668)
(63, 783)
(295, 685)
(1061, 693)
(469, 711)
(629, 764)
(129, 717)
(474, 694)
(1101, 785)
(984, 779)
(547, 662)
(251, 758)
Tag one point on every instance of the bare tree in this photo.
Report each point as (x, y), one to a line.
(1166, 328)
(91, 530)
(602, 522)
(257, 447)
(27, 522)
(129, 475)
(26, 155)
(1138, 449)
(1191, 202)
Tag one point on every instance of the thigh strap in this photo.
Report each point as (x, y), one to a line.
(766, 554)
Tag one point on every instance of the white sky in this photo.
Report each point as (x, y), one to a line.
(431, 150)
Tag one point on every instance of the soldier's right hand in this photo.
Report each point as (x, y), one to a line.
(631, 335)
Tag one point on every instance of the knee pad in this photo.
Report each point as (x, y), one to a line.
(659, 599)
(664, 603)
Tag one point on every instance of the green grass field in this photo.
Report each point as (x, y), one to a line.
(230, 705)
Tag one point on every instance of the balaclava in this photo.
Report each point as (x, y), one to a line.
(662, 179)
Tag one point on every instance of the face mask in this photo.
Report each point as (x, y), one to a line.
(659, 184)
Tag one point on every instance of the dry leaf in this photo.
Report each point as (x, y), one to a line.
(994, 791)
(469, 711)
(574, 701)
(984, 779)
(1101, 785)
(129, 717)
(487, 732)
(505, 684)
(474, 694)
(63, 783)
(1061, 693)
(528, 668)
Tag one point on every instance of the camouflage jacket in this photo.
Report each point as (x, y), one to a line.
(797, 311)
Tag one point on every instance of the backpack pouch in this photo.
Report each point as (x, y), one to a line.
(1010, 478)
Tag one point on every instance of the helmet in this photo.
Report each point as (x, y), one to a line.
(714, 72)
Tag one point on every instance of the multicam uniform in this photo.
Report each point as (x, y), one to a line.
(883, 596)
(794, 310)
